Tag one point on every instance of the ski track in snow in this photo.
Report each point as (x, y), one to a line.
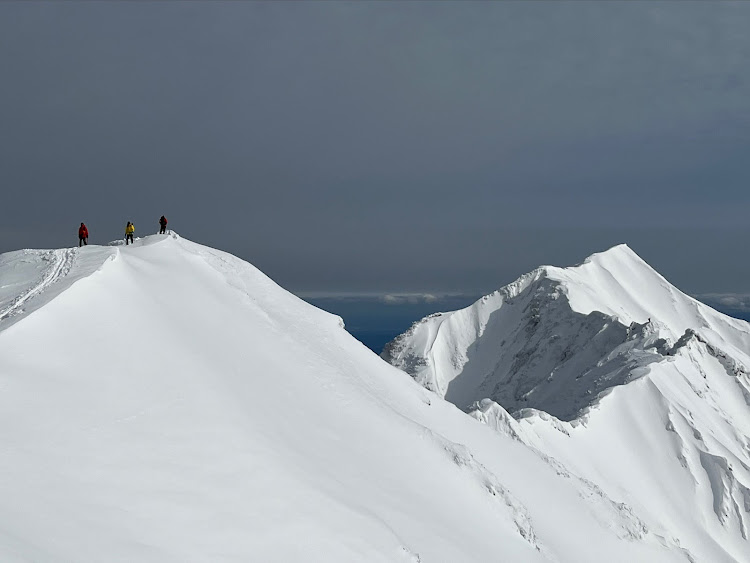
(62, 261)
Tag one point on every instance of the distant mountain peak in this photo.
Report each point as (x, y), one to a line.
(557, 338)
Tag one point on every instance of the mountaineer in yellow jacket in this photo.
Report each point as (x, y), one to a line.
(129, 230)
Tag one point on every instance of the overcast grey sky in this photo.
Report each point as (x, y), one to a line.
(385, 146)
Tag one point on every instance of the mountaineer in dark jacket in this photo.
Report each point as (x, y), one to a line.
(83, 235)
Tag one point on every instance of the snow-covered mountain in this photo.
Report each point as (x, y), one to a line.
(609, 369)
(168, 402)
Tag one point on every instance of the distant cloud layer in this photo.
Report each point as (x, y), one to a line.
(411, 298)
(386, 298)
(732, 302)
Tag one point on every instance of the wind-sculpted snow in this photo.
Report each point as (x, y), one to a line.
(167, 402)
(528, 350)
(557, 338)
(615, 377)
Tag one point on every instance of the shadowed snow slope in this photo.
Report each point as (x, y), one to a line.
(618, 376)
(167, 402)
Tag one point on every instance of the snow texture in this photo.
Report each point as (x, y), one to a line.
(619, 379)
(167, 402)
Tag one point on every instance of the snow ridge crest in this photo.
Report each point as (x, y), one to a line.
(557, 339)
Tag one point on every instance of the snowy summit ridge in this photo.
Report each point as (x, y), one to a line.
(557, 338)
(616, 375)
(167, 402)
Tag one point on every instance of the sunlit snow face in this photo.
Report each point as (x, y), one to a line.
(177, 381)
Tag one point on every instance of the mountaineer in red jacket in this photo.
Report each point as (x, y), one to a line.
(83, 235)
(163, 225)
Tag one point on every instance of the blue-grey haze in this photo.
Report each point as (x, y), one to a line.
(385, 146)
(375, 321)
